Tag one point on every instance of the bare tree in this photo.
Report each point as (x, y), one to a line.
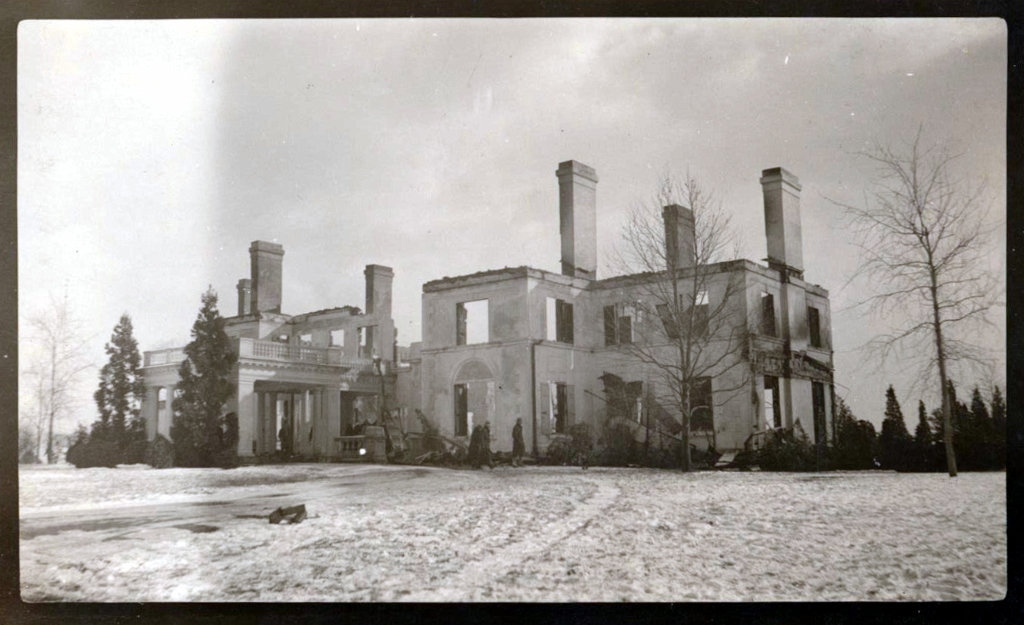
(55, 369)
(691, 326)
(923, 233)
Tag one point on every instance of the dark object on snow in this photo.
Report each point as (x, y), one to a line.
(297, 514)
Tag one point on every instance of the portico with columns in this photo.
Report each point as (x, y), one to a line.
(305, 371)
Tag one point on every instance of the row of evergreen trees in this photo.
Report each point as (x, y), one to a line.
(979, 440)
(202, 434)
(979, 435)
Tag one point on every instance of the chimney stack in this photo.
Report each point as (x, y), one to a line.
(378, 290)
(266, 261)
(782, 220)
(680, 237)
(577, 207)
(244, 296)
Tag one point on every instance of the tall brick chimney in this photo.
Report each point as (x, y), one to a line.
(244, 296)
(577, 207)
(680, 237)
(266, 261)
(378, 289)
(782, 220)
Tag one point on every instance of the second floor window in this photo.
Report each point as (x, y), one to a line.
(814, 326)
(471, 322)
(621, 322)
(559, 321)
(768, 315)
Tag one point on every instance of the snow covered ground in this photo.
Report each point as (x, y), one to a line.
(394, 533)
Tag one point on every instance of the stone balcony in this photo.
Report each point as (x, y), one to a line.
(252, 349)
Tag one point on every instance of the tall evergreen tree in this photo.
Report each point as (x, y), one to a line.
(894, 442)
(200, 426)
(922, 440)
(121, 387)
(999, 427)
(856, 441)
(978, 436)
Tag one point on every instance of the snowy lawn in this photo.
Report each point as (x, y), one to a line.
(393, 533)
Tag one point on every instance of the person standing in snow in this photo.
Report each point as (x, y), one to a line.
(474, 447)
(485, 446)
(518, 445)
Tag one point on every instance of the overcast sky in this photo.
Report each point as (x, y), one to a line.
(151, 153)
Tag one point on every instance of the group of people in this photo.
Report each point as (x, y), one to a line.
(480, 445)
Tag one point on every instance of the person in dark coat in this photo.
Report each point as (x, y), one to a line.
(485, 446)
(518, 446)
(474, 447)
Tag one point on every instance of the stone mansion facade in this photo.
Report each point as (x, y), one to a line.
(554, 349)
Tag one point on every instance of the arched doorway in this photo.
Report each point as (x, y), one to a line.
(473, 393)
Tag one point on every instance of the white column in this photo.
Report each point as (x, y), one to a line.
(271, 422)
(150, 410)
(261, 418)
(165, 424)
(248, 416)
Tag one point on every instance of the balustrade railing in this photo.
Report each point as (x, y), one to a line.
(272, 350)
(164, 357)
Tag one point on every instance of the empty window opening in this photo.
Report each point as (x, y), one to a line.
(366, 340)
(337, 338)
(814, 326)
(772, 405)
(634, 400)
(559, 321)
(768, 314)
(702, 409)
(471, 323)
(700, 314)
(668, 320)
(560, 408)
(621, 322)
(306, 340)
(818, 406)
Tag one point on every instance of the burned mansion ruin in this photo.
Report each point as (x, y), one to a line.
(552, 348)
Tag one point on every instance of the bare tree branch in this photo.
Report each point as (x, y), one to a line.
(923, 236)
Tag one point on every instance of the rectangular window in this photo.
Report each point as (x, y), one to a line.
(471, 323)
(621, 322)
(306, 339)
(772, 405)
(700, 315)
(461, 410)
(625, 330)
(814, 326)
(634, 400)
(559, 325)
(610, 325)
(338, 338)
(668, 321)
(366, 341)
(563, 319)
(701, 406)
(818, 406)
(560, 408)
(768, 314)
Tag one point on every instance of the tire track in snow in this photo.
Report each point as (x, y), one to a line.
(476, 576)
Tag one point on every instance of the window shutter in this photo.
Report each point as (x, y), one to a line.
(610, 319)
(565, 325)
(545, 408)
(671, 328)
(625, 330)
